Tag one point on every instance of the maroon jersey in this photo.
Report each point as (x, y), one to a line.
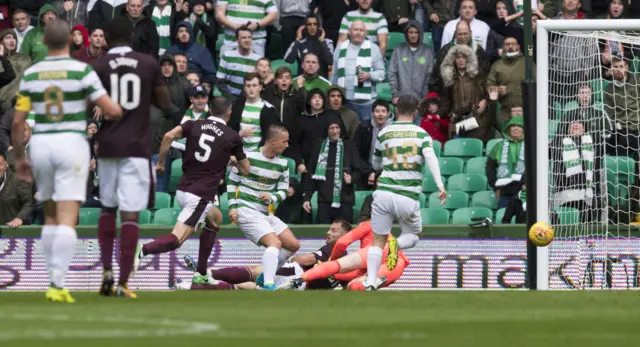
(209, 145)
(131, 79)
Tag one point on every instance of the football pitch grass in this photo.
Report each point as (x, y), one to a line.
(327, 319)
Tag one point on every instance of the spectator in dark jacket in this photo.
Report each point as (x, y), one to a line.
(178, 88)
(290, 210)
(312, 127)
(349, 117)
(332, 12)
(145, 34)
(199, 58)
(6, 123)
(289, 103)
(205, 27)
(365, 141)
(72, 11)
(311, 39)
(16, 202)
(333, 171)
(104, 11)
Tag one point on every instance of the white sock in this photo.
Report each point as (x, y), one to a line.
(47, 236)
(270, 264)
(374, 259)
(64, 245)
(407, 241)
(283, 256)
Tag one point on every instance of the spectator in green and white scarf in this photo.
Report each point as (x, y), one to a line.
(505, 164)
(334, 168)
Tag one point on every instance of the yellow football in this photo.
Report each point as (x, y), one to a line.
(541, 234)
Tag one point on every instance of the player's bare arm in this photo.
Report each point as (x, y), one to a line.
(244, 167)
(221, 17)
(23, 106)
(111, 109)
(167, 139)
(305, 259)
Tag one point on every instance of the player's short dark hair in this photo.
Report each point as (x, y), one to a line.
(119, 31)
(56, 34)
(281, 71)
(219, 106)
(276, 130)
(251, 76)
(242, 28)
(380, 102)
(407, 104)
(346, 226)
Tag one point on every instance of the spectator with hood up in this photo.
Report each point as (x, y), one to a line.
(19, 63)
(311, 39)
(178, 88)
(33, 45)
(199, 59)
(80, 37)
(411, 63)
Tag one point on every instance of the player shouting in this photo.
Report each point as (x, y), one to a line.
(209, 147)
(56, 90)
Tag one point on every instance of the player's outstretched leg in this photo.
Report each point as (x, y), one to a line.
(207, 240)
(59, 243)
(106, 238)
(130, 231)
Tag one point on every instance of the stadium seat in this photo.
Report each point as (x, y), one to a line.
(173, 183)
(622, 167)
(166, 216)
(175, 203)
(569, 106)
(500, 214)
(486, 199)
(434, 216)
(437, 147)
(455, 200)
(477, 165)
(428, 184)
(143, 219)
(597, 88)
(567, 215)
(219, 43)
(450, 166)
(384, 91)
(223, 199)
(464, 215)
(89, 216)
(176, 167)
(162, 200)
(291, 164)
(490, 144)
(553, 128)
(469, 183)
(393, 41)
(314, 206)
(281, 62)
(427, 39)
(361, 195)
(465, 148)
(216, 91)
(423, 200)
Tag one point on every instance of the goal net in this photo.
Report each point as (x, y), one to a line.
(588, 99)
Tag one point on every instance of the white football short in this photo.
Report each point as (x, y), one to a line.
(387, 207)
(254, 225)
(194, 208)
(60, 166)
(125, 183)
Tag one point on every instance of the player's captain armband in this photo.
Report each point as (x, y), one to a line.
(31, 119)
(23, 103)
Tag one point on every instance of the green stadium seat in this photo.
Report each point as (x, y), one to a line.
(464, 215)
(437, 147)
(143, 219)
(490, 144)
(477, 165)
(383, 91)
(314, 207)
(89, 216)
(569, 106)
(469, 183)
(393, 41)
(622, 167)
(162, 200)
(223, 199)
(486, 199)
(173, 183)
(434, 216)
(450, 166)
(281, 62)
(423, 200)
(553, 128)
(175, 203)
(219, 42)
(465, 148)
(455, 200)
(597, 89)
(427, 39)
(216, 91)
(428, 184)
(361, 195)
(500, 214)
(567, 215)
(176, 167)
(291, 164)
(166, 216)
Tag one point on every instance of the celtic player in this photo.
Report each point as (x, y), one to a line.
(402, 148)
(250, 196)
(56, 90)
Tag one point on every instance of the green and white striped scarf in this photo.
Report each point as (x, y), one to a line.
(363, 61)
(200, 38)
(510, 173)
(162, 19)
(573, 161)
(321, 169)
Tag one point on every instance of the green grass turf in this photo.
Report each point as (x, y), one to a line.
(327, 319)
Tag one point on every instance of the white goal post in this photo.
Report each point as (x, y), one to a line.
(590, 30)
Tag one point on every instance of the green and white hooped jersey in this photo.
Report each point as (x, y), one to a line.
(243, 11)
(400, 151)
(266, 175)
(374, 22)
(251, 120)
(57, 88)
(234, 67)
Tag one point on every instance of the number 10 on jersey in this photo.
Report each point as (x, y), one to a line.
(129, 99)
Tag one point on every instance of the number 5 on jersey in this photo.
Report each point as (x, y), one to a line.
(204, 142)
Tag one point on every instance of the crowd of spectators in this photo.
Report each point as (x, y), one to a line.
(463, 57)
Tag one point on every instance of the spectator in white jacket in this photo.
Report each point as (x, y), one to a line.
(479, 28)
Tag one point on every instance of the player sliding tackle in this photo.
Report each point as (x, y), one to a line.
(250, 197)
(56, 90)
(209, 147)
(124, 166)
(401, 150)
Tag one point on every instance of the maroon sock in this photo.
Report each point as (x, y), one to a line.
(162, 244)
(106, 237)
(233, 275)
(128, 244)
(219, 286)
(207, 240)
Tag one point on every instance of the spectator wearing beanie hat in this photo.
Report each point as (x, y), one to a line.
(432, 123)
